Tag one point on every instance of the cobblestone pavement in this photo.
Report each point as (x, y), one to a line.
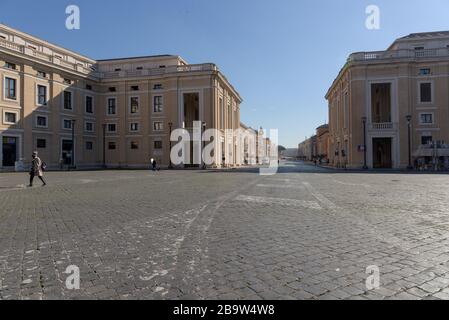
(305, 233)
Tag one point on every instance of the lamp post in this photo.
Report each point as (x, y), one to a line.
(365, 166)
(73, 145)
(170, 165)
(204, 143)
(104, 146)
(409, 127)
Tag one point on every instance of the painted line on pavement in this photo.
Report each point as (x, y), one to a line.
(352, 184)
(321, 198)
(281, 186)
(280, 201)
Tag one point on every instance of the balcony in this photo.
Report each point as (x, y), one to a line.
(385, 126)
(399, 54)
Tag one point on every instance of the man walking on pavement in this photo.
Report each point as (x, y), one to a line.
(37, 169)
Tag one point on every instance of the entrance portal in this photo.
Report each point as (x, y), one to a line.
(9, 151)
(382, 157)
(66, 151)
(191, 114)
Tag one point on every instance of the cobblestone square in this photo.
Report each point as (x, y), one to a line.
(305, 233)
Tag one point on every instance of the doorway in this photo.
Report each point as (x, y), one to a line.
(191, 115)
(66, 152)
(9, 151)
(382, 155)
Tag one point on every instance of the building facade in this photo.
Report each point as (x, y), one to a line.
(120, 111)
(307, 150)
(379, 97)
(322, 143)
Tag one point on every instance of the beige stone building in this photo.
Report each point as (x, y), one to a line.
(378, 97)
(307, 150)
(49, 93)
(322, 143)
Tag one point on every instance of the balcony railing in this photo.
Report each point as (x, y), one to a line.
(383, 126)
(43, 56)
(159, 71)
(399, 54)
(106, 75)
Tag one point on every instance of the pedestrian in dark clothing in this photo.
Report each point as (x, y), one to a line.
(37, 169)
(153, 164)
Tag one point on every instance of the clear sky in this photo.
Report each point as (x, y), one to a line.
(282, 56)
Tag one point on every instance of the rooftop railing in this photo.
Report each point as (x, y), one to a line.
(44, 56)
(159, 71)
(399, 54)
(78, 67)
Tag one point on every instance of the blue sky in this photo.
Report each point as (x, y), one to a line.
(281, 55)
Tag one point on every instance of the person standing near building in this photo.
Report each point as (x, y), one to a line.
(154, 164)
(37, 169)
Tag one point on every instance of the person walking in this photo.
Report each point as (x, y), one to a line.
(37, 169)
(154, 164)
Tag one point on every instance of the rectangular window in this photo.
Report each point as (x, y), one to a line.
(134, 126)
(41, 74)
(89, 126)
(157, 145)
(41, 95)
(112, 127)
(10, 88)
(134, 145)
(67, 81)
(134, 88)
(112, 146)
(425, 92)
(10, 65)
(158, 104)
(88, 87)
(425, 140)
(134, 105)
(424, 72)
(41, 121)
(41, 143)
(10, 117)
(158, 126)
(89, 145)
(222, 114)
(112, 106)
(67, 124)
(89, 105)
(345, 110)
(112, 89)
(68, 100)
(426, 118)
(157, 87)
